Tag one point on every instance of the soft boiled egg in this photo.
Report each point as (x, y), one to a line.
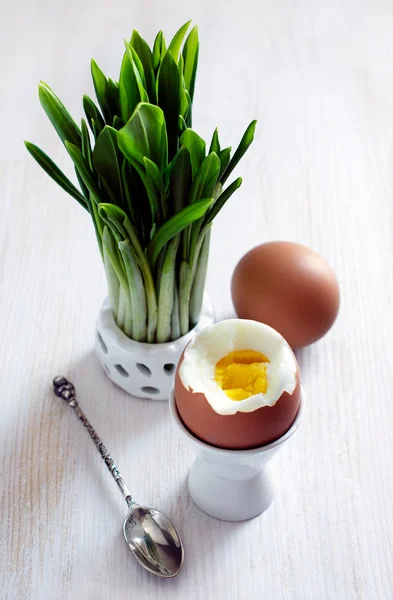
(237, 385)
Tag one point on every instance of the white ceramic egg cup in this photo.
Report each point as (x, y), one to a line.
(143, 370)
(232, 485)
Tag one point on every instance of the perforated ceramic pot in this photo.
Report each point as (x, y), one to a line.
(143, 370)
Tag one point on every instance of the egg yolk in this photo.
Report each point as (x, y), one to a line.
(242, 374)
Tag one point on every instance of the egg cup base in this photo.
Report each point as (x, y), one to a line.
(228, 499)
(232, 485)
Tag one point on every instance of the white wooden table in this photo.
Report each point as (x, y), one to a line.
(319, 77)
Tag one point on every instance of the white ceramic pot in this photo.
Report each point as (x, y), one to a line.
(233, 485)
(143, 370)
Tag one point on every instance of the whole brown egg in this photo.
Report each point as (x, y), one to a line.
(289, 287)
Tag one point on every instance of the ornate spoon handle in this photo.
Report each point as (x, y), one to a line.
(64, 389)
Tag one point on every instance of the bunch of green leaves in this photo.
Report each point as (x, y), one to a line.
(151, 186)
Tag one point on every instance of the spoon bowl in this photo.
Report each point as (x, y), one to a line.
(153, 540)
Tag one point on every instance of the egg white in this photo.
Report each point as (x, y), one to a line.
(197, 370)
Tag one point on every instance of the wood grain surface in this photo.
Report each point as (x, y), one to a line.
(318, 76)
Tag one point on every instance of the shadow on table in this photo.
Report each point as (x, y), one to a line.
(304, 357)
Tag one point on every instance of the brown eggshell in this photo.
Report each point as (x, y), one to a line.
(240, 431)
(289, 287)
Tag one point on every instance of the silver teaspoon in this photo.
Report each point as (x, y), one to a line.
(149, 534)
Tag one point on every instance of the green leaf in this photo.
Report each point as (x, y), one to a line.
(190, 54)
(138, 203)
(196, 147)
(175, 225)
(188, 116)
(137, 292)
(55, 173)
(115, 218)
(158, 268)
(168, 86)
(193, 237)
(101, 90)
(126, 177)
(175, 325)
(98, 225)
(165, 296)
(96, 129)
(206, 178)
(181, 179)
(166, 177)
(245, 143)
(86, 146)
(157, 50)
(174, 46)
(128, 89)
(155, 175)
(84, 171)
(112, 280)
(65, 126)
(145, 135)
(219, 203)
(215, 144)
(93, 114)
(107, 161)
(111, 253)
(150, 189)
(143, 51)
(225, 157)
(180, 66)
(217, 191)
(151, 308)
(113, 98)
(197, 238)
(198, 287)
(184, 108)
(124, 313)
(183, 94)
(118, 123)
(184, 296)
(182, 125)
(138, 72)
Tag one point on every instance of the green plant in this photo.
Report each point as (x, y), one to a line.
(148, 183)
